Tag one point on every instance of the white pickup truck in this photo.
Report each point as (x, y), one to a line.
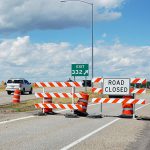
(18, 83)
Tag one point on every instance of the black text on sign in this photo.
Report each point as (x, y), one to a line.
(116, 86)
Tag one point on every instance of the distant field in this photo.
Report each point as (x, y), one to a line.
(28, 105)
(2, 88)
(147, 90)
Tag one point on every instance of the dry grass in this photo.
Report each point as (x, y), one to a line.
(29, 104)
(2, 88)
(19, 107)
(147, 91)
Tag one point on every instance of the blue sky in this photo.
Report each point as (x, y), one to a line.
(58, 32)
(131, 28)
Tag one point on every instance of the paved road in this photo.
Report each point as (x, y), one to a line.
(143, 139)
(58, 132)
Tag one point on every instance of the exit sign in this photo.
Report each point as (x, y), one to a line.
(80, 70)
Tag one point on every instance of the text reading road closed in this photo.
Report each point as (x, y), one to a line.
(116, 86)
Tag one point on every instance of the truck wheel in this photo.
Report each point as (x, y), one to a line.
(8, 92)
(23, 92)
(30, 92)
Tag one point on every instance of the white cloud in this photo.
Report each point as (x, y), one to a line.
(109, 4)
(104, 35)
(120, 60)
(52, 61)
(26, 15)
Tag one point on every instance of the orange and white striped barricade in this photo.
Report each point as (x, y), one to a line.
(16, 96)
(132, 80)
(97, 80)
(83, 99)
(126, 100)
(138, 80)
(60, 95)
(119, 100)
(82, 102)
(59, 84)
(130, 94)
(58, 106)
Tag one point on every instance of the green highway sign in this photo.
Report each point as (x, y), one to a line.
(80, 70)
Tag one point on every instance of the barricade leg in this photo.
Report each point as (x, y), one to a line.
(16, 96)
(84, 102)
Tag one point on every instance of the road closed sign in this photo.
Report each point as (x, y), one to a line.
(116, 86)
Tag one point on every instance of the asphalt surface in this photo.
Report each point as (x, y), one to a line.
(143, 139)
(54, 132)
(143, 136)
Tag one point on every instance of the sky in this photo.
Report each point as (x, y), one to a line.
(39, 40)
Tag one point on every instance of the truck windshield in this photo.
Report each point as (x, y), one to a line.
(15, 81)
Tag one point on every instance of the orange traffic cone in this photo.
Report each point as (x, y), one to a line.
(16, 96)
(84, 102)
(127, 108)
(48, 101)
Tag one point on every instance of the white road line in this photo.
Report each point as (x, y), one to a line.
(8, 121)
(94, 132)
(88, 135)
(142, 106)
(22, 118)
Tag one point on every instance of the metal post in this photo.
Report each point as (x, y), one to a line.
(101, 108)
(133, 111)
(85, 84)
(73, 91)
(43, 99)
(74, 81)
(72, 95)
(134, 107)
(92, 29)
(92, 43)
